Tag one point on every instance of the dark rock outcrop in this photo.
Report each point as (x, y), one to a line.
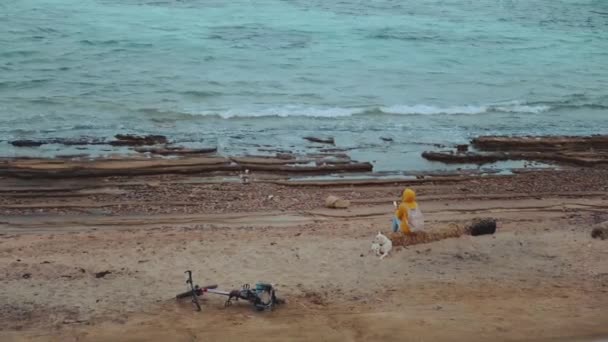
(62, 141)
(571, 158)
(450, 157)
(327, 140)
(462, 148)
(175, 151)
(581, 151)
(28, 143)
(63, 168)
(138, 140)
(541, 143)
(67, 168)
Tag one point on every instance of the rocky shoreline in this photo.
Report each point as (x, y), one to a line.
(156, 154)
(121, 166)
(561, 150)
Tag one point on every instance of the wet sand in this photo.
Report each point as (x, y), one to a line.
(541, 277)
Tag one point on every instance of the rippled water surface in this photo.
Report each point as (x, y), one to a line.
(242, 74)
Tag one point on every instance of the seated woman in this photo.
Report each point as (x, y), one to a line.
(408, 217)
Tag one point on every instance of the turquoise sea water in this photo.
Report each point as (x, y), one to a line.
(242, 74)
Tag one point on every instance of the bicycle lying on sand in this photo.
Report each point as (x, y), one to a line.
(263, 297)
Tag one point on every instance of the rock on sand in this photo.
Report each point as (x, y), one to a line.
(335, 202)
(600, 231)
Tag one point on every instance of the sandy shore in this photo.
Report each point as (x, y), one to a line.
(540, 278)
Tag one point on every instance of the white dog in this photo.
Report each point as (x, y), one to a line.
(381, 245)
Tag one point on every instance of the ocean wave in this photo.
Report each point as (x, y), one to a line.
(202, 93)
(337, 112)
(571, 102)
(464, 110)
(287, 111)
(576, 101)
(396, 34)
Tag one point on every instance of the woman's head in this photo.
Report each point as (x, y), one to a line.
(409, 197)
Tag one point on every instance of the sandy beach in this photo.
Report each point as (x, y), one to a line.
(250, 143)
(541, 277)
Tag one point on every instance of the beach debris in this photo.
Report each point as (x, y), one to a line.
(335, 202)
(26, 276)
(326, 140)
(484, 226)
(138, 140)
(600, 231)
(102, 274)
(244, 177)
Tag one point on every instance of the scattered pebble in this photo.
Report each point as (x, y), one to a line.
(102, 274)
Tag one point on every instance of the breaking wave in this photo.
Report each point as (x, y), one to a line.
(337, 112)
(571, 102)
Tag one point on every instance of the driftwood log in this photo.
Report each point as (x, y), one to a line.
(476, 228)
(415, 238)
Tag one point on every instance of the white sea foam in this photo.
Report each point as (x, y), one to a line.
(334, 112)
(288, 111)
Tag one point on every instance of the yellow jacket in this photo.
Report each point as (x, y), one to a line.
(408, 202)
